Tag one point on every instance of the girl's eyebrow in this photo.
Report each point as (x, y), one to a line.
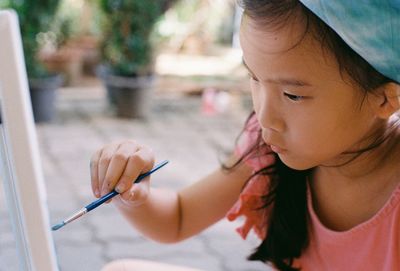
(280, 81)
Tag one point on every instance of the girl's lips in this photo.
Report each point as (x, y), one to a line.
(274, 148)
(277, 149)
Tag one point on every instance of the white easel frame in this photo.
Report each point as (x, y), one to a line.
(20, 165)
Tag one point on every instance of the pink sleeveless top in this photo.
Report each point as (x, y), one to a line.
(370, 246)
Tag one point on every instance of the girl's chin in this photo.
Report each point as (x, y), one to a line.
(296, 164)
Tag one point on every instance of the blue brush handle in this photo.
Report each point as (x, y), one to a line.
(113, 193)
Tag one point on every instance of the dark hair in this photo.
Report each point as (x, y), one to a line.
(287, 224)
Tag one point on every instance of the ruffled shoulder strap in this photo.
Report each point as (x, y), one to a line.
(250, 202)
(250, 205)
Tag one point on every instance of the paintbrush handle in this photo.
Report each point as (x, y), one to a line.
(101, 200)
(113, 193)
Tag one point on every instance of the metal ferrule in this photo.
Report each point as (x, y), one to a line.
(80, 213)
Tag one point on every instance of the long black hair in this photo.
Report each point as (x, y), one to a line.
(287, 225)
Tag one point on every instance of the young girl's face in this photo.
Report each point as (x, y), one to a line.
(307, 111)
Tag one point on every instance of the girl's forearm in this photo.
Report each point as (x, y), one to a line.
(158, 218)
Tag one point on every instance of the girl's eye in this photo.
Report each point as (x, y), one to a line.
(295, 98)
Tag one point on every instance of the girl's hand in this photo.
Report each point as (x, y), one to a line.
(117, 165)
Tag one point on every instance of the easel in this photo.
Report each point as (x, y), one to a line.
(20, 165)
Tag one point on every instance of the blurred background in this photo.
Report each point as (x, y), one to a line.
(166, 73)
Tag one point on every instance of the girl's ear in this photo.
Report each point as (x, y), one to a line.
(389, 101)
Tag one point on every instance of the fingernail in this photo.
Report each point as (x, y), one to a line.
(119, 188)
(96, 192)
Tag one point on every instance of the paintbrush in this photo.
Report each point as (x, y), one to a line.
(103, 199)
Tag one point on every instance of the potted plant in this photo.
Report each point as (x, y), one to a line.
(35, 19)
(127, 53)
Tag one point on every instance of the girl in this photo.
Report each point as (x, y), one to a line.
(318, 157)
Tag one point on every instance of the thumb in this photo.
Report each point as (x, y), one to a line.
(137, 194)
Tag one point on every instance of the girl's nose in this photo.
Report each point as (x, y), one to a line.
(269, 112)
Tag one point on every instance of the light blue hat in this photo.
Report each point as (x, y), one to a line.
(370, 27)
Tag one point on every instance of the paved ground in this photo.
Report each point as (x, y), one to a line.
(177, 131)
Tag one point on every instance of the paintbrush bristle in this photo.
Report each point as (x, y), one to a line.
(58, 226)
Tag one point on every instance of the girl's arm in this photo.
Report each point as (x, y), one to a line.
(160, 214)
(168, 216)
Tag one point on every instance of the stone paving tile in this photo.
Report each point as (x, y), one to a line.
(110, 225)
(8, 258)
(233, 250)
(152, 250)
(80, 257)
(77, 233)
(6, 236)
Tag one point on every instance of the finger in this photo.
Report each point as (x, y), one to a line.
(117, 166)
(94, 173)
(103, 164)
(139, 162)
